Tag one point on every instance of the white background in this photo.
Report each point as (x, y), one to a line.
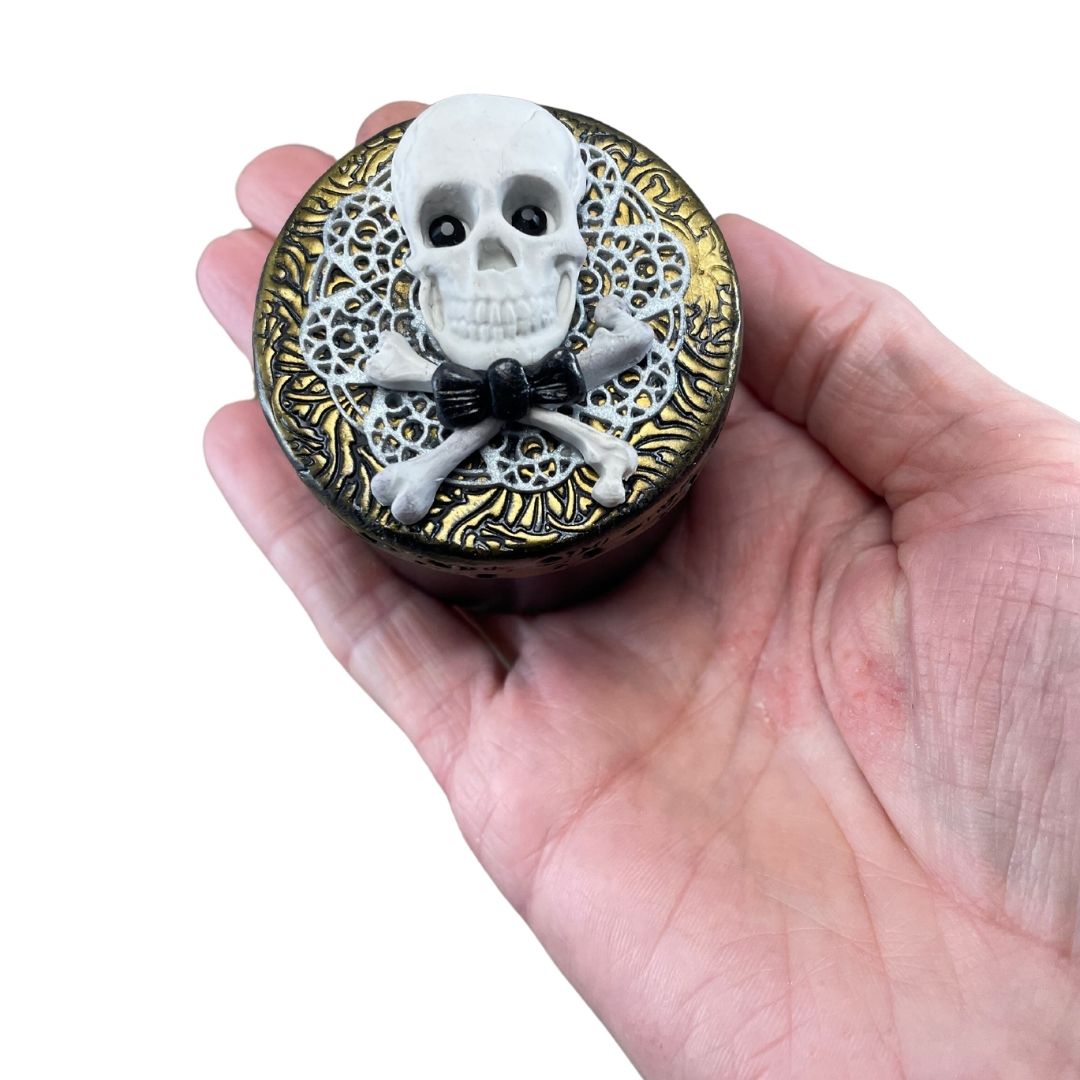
(218, 858)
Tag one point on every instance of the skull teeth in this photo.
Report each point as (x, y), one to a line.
(495, 320)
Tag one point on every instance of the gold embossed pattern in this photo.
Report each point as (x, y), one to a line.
(492, 530)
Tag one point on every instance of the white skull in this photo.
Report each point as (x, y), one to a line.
(495, 290)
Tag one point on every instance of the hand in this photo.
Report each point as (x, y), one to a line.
(802, 797)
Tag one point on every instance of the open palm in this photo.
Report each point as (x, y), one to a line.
(802, 797)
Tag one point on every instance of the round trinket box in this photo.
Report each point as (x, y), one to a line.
(497, 342)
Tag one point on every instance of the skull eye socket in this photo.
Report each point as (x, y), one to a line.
(530, 220)
(446, 231)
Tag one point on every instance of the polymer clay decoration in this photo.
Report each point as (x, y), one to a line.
(497, 342)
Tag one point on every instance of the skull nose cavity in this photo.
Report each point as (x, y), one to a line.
(493, 254)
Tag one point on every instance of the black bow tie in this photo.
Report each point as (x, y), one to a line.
(506, 390)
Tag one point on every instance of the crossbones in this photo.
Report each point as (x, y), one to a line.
(409, 487)
(487, 189)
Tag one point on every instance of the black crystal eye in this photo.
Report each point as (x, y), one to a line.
(446, 231)
(530, 220)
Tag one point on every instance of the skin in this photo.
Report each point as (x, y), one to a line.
(802, 797)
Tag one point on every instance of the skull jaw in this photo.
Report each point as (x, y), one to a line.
(481, 343)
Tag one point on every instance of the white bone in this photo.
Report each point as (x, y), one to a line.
(611, 312)
(395, 366)
(619, 342)
(409, 487)
(614, 460)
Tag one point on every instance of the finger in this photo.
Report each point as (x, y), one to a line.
(228, 277)
(422, 663)
(892, 399)
(394, 112)
(268, 190)
(271, 185)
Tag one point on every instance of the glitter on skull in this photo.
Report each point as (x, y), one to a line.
(487, 190)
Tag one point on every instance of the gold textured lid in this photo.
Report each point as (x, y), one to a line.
(337, 280)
